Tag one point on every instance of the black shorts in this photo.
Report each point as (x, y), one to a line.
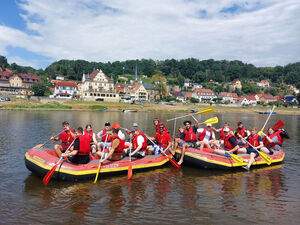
(79, 159)
(250, 150)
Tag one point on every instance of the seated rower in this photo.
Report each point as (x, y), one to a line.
(66, 136)
(163, 139)
(189, 136)
(241, 130)
(220, 142)
(105, 137)
(256, 141)
(93, 141)
(81, 152)
(273, 140)
(230, 144)
(116, 150)
(206, 136)
(139, 144)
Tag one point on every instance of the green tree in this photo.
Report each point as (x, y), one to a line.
(3, 62)
(39, 89)
(194, 100)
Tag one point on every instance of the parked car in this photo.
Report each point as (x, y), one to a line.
(2, 100)
(7, 99)
(100, 99)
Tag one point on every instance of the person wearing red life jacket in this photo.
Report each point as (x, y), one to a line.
(105, 137)
(256, 141)
(274, 139)
(206, 137)
(188, 136)
(116, 150)
(92, 136)
(230, 144)
(81, 152)
(157, 123)
(139, 143)
(163, 139)
(241, 130)
(67, 136)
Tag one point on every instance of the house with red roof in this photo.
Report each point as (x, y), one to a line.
(228, 97)
(263, 84)
(138, 92)
(204, 95)
(266, 98)
(248, 100)
(65, 90)
(236, 84)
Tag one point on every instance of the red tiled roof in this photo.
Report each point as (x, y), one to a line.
(94, 74)
(66, 83)
(201, 90)
(229, 94)
(235, 80)
(52, 90)
(269, 97)
(120, 89)
(188, 94)
(29, 76)
(250, 97)
(135, 87)
(264, 81)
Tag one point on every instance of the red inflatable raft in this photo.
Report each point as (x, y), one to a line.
(206, 159)
(41, 160)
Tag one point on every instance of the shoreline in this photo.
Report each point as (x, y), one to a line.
(28, 105)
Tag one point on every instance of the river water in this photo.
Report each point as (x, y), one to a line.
(267, 195)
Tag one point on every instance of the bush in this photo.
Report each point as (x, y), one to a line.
(194, 100)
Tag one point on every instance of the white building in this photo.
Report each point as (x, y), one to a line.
(138, 92)
(204, 95)
(65, 89)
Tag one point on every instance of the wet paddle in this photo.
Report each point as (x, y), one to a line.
(263, 155)
(169, 157)
(130, 164)
(50, 173)
(42, 145)
(262, 129)
(98, 170)
(202, 111)
(278, 125)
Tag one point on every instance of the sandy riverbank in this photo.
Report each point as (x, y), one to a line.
(24, 104)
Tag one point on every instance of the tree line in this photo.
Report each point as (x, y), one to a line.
(176, 71)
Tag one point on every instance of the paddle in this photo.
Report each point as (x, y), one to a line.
(130, 164)
(278, 125)
(98, 170)
(170, 159)
(202, 111)
(211, 120)
(236, 158)
(263, 155)
(50, 173)
(261, 131)
(42, 145)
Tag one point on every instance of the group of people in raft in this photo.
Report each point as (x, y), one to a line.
(112, 143)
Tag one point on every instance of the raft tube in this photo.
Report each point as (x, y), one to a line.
(206, 159)
(41, 160)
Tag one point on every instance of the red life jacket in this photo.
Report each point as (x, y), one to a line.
(228, 146)
(90, 135)
(241, 132)
(222, 135)
(135, 144)
(120, 148)
(104, 136)
(253, 140)
(157, 126)
(163, 139)
(66, 136)
(190, 136)
(203, 133)
(268, 144)
(84, 145)
(280, 139)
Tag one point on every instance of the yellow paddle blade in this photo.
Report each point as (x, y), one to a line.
(206, 110)
(39, 146)
(212, 120)
(265, 157)
(237, 158)
(260, 133)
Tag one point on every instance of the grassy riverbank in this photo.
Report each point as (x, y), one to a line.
(116, 106)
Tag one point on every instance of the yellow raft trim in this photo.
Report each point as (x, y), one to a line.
(37, 161)
(234, 164)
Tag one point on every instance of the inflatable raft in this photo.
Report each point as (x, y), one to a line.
(206, 159)
(41, 160)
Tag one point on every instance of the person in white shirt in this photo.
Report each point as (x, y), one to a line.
(206, 137)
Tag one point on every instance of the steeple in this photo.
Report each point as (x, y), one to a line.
(135, 74)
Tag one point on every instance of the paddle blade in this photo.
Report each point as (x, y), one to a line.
(278, 125)
(97, 174)
(39, 146)
(260, 133)
(265, 157)
(174, 163)
(49, 175)
(206, 110)
(129, 171)
(212, 120)
(237, 158)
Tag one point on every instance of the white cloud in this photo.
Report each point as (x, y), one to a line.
(259, 32)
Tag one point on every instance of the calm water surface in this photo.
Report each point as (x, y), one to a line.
(267, 195)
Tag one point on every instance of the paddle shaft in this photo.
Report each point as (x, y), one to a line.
(99, 166)
(53, 136)
(203, 111)
(268, 118)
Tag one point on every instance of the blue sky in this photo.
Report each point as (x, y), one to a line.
(37, 33)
